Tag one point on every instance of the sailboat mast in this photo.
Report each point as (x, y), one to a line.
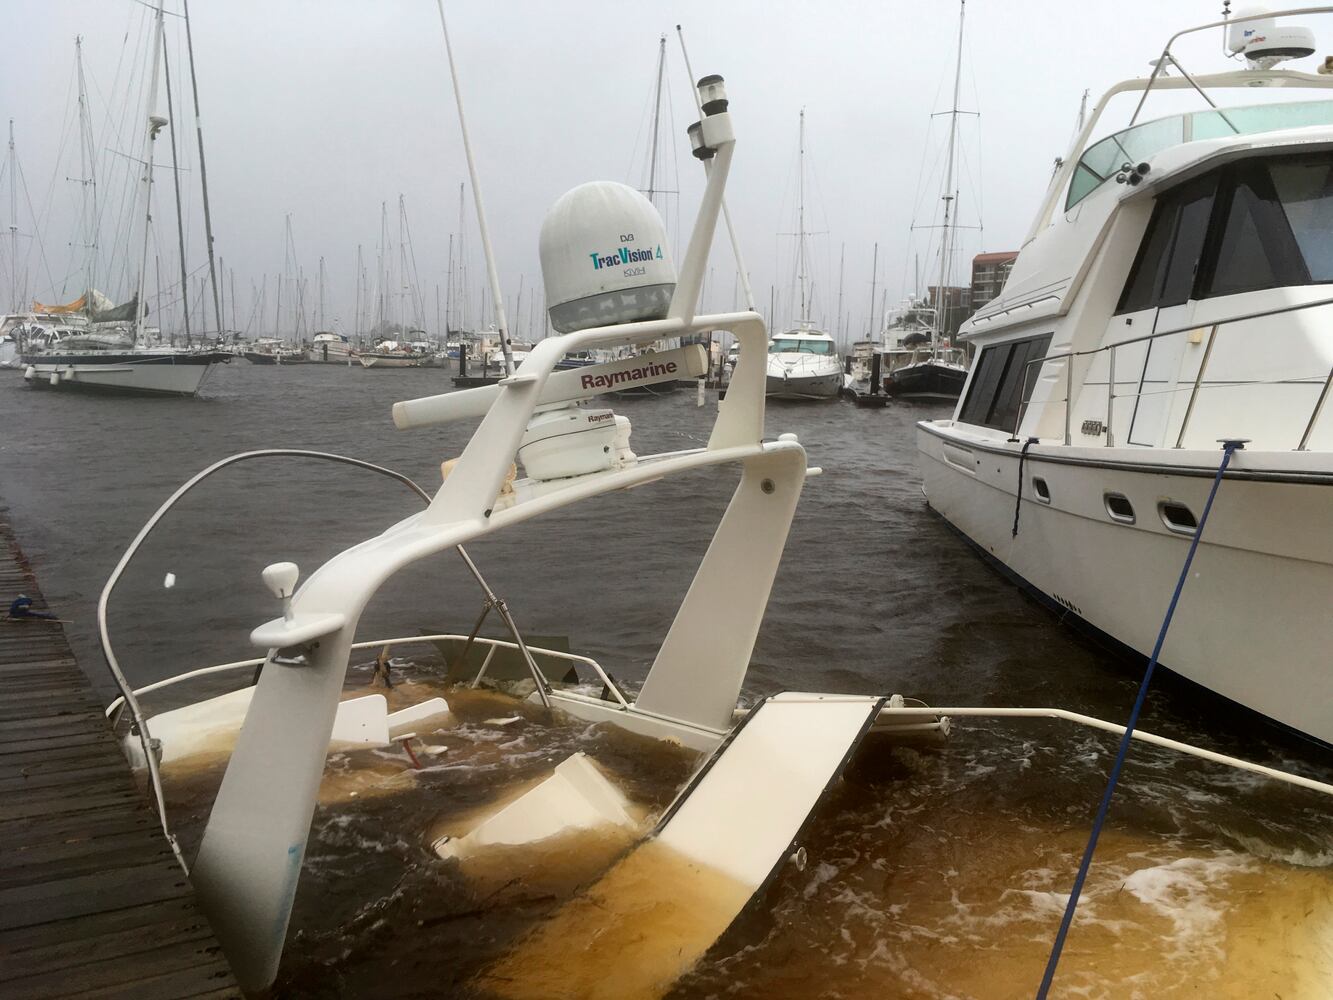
(449, 289)
(154, 125)
(494, 275)
(946, 231)
(842, 261)
(13, 223)
(379, 267)
(874, 276)
(356, 315)
(203, 172)
(402, 267)
(88, 164)
(657, 118)
(176, 185)
(321, 293)
(800, 220)
(463, 312)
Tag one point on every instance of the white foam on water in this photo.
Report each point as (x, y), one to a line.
(1191, 894)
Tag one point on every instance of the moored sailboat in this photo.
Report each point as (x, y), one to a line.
(112, 353)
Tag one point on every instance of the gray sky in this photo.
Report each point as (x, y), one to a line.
(325, 108)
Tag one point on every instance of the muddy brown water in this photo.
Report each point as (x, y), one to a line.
(933, 871)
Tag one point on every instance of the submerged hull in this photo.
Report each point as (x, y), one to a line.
(929, 379)
(146, 374)
(1252, 624)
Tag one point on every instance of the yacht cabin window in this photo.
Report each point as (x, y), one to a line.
(1247, 226)
(794, 345)
(1002, 382)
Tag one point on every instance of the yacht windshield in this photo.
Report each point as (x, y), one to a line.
(794, 345)
(1103, 159)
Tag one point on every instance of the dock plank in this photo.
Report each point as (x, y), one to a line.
(92, 901)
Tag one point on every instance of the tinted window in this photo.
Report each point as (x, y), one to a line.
(1016, 386)
(1256, 224)
(1145, 277)
(1196, 206)
(1255, 246)
(985, 380)
(1168, 258)
(1003, 382)
(1305, 189)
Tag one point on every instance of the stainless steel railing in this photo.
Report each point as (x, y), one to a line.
(1069, 357)
(492, 646)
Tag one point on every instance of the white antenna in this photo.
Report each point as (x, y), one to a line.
(708, 166)
(497, 298)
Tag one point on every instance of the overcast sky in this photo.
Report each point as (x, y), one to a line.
(325, 109)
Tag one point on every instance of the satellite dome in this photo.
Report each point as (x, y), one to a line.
(604, 258)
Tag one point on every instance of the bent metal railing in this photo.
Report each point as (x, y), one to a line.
(493, 646)
(1069, 357)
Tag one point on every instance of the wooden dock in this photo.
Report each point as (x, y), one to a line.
(92, 901)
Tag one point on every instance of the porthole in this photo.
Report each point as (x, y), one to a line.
(1119, 508)
(1177, 517)
(1040, 488)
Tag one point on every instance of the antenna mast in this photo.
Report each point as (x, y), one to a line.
(708, 166)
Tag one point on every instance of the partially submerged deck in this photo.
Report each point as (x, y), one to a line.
(92, 903)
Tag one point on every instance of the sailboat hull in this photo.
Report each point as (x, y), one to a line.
(166, 374)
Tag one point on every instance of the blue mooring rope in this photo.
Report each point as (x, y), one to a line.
(1228, 447)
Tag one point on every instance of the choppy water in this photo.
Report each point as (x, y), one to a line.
(934, 871)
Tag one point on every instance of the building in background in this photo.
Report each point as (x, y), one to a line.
(957, 307)
(989, 273)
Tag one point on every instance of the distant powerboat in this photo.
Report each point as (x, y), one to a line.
(271, 351)
(803, 364)
(330, 349)
(392, 354)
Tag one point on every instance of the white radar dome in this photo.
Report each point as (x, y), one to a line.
(1265, 43)
(604, 258)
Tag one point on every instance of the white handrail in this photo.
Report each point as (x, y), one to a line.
(222, 668)
(1111, 727)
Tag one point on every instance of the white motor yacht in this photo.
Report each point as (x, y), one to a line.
(1174, 292)
(330, 349)
(804, 364)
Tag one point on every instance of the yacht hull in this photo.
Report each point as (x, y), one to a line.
(1252, 624)
(804, 386)
(926, 380)
(389, 361)
(153, 375)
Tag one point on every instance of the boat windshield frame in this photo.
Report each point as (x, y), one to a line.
(1232, 79)
(797, 343)
(1104, 158)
